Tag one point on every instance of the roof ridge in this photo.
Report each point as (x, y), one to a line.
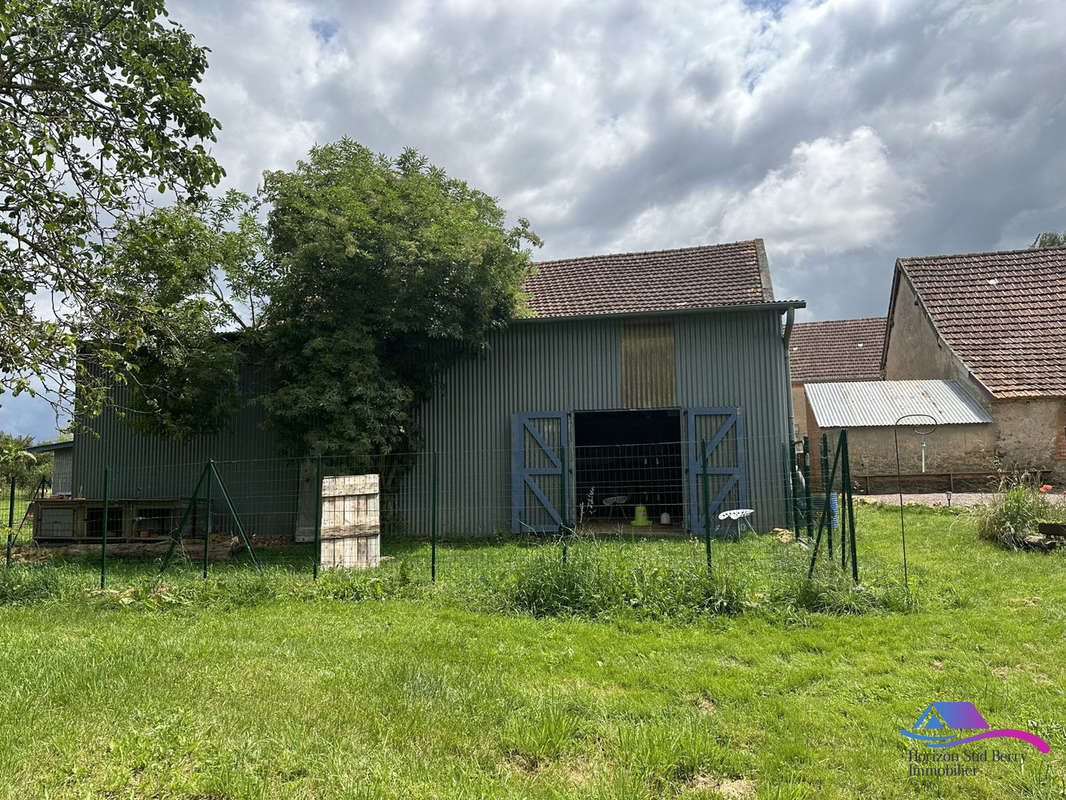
(647, 252)
(983, 253)
(848, 319)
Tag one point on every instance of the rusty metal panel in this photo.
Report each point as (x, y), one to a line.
(648, 378)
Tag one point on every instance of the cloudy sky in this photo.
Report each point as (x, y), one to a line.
(844, 132)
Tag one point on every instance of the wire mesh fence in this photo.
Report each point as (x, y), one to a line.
(469, 515)
(17, 508)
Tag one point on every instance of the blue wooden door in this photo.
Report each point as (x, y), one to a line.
(715, 438)
(539, 442)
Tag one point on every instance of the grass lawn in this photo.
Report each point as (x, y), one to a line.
(433, 694)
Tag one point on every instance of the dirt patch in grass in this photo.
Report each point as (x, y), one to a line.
(731, 788)
(706, 704)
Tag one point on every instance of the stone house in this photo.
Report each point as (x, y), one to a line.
(996, 324)
(977, 341)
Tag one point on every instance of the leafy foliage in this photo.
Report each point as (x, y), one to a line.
(389, 271)
(98, 111)
(1049, 240)
(200, 270)
(16, 462)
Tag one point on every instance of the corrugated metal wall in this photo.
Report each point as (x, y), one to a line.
(738, 359)
(262, 484)
(720, 359)
(531, 366)
(62, 471)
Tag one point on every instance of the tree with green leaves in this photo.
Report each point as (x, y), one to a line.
(389, 271)
(99, 112)
(16, 461)
(204, 272)
(1049, 240)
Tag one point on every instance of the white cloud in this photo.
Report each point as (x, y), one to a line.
(844, 132)
(833, 196)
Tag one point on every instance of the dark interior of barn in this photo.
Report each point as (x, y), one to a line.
(623, 459)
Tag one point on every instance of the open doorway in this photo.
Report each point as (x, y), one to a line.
(623, 459)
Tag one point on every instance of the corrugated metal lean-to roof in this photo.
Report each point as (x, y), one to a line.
(872, 404)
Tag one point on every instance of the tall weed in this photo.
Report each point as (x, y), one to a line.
(1014, 514)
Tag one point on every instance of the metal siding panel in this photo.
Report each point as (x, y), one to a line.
(527, 368)
(721, 359)
(871, 404)
(62, 480)
(260, 483)
(738, 359)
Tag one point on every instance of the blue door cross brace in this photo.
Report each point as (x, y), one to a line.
(730, 471)
(531, 465)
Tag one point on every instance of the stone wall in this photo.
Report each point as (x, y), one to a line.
(1026, 435)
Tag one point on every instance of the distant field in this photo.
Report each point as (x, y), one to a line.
(244, 688)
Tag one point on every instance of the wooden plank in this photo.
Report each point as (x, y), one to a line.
(351, 522)
(647, 360)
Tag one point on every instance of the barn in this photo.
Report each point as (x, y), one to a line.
(643, 379)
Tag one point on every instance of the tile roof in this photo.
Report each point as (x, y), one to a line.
(837, 350)
(1003, 314)
(875, 404)
(712, 276)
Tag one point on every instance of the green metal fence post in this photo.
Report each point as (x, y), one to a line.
(562, 499)
(317, 557)
(851, 512)
(793, 517)
(847, 510)
(236, 518)
(433, 521)
(826, 510)
(706, 507)
(842, 512)
(103, 541)
(808, 497)
(827, 488)
(10, 520)
(207, 516)
(177, 533)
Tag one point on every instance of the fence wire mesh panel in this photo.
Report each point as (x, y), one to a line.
(17, 508)
(565, 489)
